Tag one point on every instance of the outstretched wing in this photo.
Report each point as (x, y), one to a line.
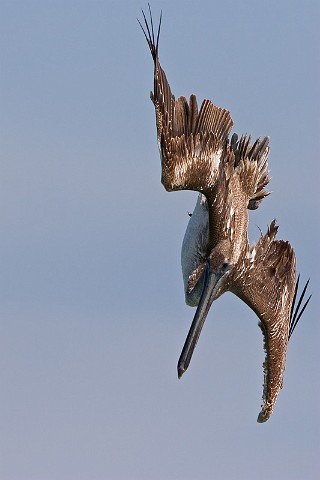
(191, 143)
(268, 286)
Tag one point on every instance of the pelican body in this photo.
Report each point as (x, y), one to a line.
(230, 176)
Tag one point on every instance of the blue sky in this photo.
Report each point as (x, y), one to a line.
(91, 299)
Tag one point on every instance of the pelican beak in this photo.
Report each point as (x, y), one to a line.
(209, 294)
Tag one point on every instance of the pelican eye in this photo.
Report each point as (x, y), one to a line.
(225, 267)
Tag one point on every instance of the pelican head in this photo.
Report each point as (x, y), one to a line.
(212, 282)
(216, 273)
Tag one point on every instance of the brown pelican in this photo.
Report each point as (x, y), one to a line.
(196, 154)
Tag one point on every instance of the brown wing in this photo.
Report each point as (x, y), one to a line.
(191, 143)
(268, 287)
(257, 153)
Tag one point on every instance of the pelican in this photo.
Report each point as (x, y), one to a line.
(230, 176)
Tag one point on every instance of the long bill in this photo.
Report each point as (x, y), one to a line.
(208, 295)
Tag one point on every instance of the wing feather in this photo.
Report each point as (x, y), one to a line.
(255, 154)
(297, 310)
(191, 144)
(268, 287)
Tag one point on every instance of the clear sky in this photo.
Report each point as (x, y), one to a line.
(92, 313)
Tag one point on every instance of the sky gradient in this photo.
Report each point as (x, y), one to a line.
(92, 311)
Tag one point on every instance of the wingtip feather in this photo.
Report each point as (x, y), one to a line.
(297, 310)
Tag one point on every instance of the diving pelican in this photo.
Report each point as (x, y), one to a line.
(230, 176)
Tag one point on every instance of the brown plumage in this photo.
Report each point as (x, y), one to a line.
(266, 282)
(231, 176)
(191, 143)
